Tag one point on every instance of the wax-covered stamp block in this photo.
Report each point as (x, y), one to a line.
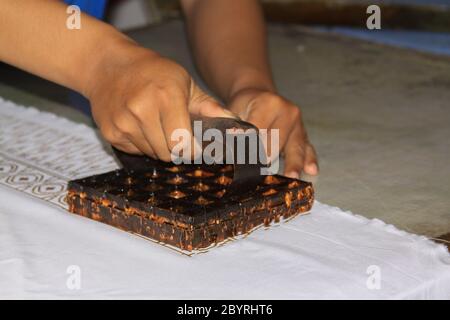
(190, 207)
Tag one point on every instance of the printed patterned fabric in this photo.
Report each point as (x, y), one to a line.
(38, 154)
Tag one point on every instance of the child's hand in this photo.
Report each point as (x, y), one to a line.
(139, 98)
(270, 111)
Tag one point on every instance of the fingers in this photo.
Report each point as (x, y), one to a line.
(205, 105)
(145, 102)
(311, 164)
(294, 153)
(175, 116)
(154, 135)
(270, 111)
(299, 155)
(274, 113)
(129, 135)
(161, 114)
(127, 147)
(264, 121)
(158, 112)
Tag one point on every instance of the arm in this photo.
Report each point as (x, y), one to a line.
(34, 37)
(229, 42)
(138, 97)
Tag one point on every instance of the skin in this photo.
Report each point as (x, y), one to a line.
(139, 97)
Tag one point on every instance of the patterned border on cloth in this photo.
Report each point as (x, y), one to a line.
(40, 152)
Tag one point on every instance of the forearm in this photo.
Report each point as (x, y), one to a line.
(34, 37)
(229, 42)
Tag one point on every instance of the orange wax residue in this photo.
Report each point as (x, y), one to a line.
(288, 199)
(202, 201)
(293, 184)
(176, 180)
(223, 180)
(198, 173)
(105, 202)
(174, 169)
(271, 180)
(96, 216)
(177, 194)
(269, 192)
(152, 200)
(200, 187)
(219, 194)
(129, 210)
(300, 195)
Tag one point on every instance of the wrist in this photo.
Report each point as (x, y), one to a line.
(250, 80)
(112, 56)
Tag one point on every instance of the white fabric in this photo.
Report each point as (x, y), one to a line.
(326, 254)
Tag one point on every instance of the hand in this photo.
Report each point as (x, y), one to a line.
(268, 110)
(139, 98)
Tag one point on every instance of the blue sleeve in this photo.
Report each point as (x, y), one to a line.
(95, 8)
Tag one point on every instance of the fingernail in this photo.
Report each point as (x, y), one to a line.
(293, 175)
(311, 169)
(230, 114)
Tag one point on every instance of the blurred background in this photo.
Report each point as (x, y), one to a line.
(376, 102)
(417, 24)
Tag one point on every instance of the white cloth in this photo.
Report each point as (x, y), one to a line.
(44, 250)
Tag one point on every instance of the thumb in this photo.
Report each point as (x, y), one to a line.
(203, 104)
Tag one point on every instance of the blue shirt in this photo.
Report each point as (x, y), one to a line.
(95, 8)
